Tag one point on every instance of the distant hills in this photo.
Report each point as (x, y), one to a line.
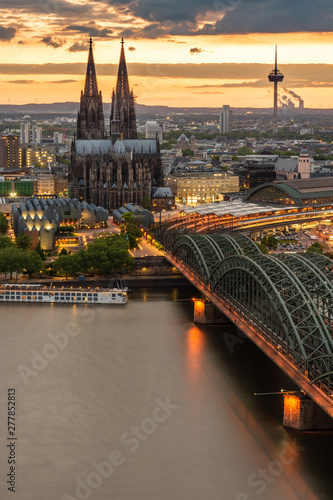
(72, 108)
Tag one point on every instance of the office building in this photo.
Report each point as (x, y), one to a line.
(192, 187)
(153, 130)
(25, 132)
(225, 120)
(10, 154)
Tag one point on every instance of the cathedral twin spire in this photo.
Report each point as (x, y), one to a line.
(90, 123)
(90, 120)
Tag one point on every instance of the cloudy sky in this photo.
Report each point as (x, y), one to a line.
(179, 53)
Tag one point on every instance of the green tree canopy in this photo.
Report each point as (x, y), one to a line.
(270, 242)
(110, 255)
(262, 248)
(146, 203)
(244, 150)
(23, 241)
(315, 248)
(188, 152)
(5, 241)
(31, 262)
(3, 224)
(11, 260)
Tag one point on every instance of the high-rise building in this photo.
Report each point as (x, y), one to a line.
(58, 138)
(25, 132)
(226, 120)
(153, 130)
(36, 134)
(10, 156)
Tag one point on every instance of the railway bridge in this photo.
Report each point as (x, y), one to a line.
(283, 303)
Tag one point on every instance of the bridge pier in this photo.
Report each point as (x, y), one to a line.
(205, 313)
(303, 414)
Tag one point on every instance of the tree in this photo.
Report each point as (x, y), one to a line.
(64, 263)
(63, 252)
(315, 248)
(11, 260)
(263, 249)
(31, 262)
(5, 241)
(110, 255)
(133, 242)
(188, 152)
(146, 203)
(244, 150)
(234, 158)
(3, 224)
(24, 241)
(40, 251)
(270, 242)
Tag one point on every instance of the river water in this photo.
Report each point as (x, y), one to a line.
(136, 402)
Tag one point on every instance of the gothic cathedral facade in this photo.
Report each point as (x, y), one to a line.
(113, 170)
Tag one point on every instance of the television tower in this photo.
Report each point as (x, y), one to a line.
(275, 76)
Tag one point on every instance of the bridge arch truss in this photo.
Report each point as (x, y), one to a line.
(288, 300)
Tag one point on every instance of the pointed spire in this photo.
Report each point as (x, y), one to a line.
(91, 88)
(123, 118)
(90, 120)
(122, 81)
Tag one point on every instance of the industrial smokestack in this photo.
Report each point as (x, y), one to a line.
(296, 96)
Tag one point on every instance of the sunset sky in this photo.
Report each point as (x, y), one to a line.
(188, 53)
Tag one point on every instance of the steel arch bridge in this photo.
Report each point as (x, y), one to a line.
(287, 299)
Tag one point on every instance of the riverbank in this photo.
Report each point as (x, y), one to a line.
(131, 281)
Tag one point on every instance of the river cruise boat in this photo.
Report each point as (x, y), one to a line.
(40, 293)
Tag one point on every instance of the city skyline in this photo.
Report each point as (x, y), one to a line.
(188, 54)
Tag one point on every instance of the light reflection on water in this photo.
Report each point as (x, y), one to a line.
(74, 411)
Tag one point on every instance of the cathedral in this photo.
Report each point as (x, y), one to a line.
(110, 170)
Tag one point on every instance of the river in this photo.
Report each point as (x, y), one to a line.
(136, 402)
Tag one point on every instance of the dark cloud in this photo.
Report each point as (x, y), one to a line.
(7, 34)
(232, 16)
(52, 42)
(64, 81)
(131, 49)
(175, 41)
(59, 7)
(196, 50)
(296, 75)
(21, 82)
(274, 16)
(78, 47)
(160, 12)
(93, 31)
(21, 42)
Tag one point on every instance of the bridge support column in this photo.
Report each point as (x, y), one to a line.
(205, 313)
(303, 414)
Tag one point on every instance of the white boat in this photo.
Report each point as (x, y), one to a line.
(40, 293)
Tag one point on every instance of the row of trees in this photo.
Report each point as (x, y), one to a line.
(107, 255)
(14, 259)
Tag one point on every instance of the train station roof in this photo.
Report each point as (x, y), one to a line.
(316, 192)
(235, 208)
